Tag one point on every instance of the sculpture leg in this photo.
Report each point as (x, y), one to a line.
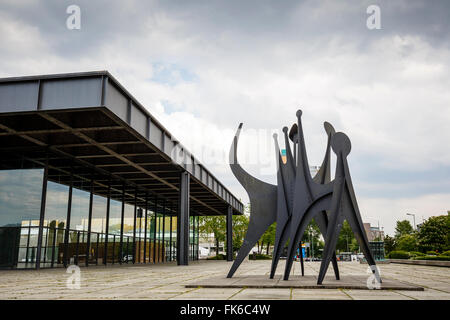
(322, 222)
(278, 249)
(301, 262)
(359, 232)
(242, 254)
(335, 265)
(328, 251)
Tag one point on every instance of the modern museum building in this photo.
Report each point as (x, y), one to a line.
(89, 177)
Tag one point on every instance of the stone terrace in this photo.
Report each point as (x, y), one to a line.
(168, 281)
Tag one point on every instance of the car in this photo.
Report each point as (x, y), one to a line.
(127, 258)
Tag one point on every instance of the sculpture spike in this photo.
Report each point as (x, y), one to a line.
(298, 198)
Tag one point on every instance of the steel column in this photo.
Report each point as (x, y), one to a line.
(121, 225)
(88, 241)
(145, 228)
(69, 212)
(230, 234)
(42, 215)
(154, 230)
(134, 227)
(183, 221)
(170, 236)
(163, 231)
(108, 209)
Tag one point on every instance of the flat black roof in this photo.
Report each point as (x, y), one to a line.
(90, 124)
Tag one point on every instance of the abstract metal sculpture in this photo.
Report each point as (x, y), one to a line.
(298, 198)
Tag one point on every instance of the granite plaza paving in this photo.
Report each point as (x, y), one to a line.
(169, 281)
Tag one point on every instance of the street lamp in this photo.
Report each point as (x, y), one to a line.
(414, 218)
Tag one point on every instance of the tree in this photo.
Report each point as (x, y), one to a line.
(346, 237)
(389, 244)
(403, 227)
(312, 236)
(240, 226)
(267, 238)
(215, 225)
(434, 234)
(354, 246)
(407, 242)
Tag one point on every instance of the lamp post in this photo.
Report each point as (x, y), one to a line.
(414, 218)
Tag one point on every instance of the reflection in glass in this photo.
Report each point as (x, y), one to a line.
(20, 196)
(80, 210)
(20, 204)
(54, 224)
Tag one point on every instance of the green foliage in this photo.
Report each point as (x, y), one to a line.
(389, 244)
(399, 255)
(407, 242)
(403, 227)
(446, 253)
(215, 225)
(434, 234)
(416, 254)
(259, 256)
(268, 238)
(240, 226)
(346, 236)
(432, 253)
(312, 235)
(354, 246)
(438, 258)
(217, 257)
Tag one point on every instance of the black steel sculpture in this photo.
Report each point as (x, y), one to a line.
(298, 198)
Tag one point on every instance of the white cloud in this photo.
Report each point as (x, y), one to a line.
(388, 90)
(388, 211)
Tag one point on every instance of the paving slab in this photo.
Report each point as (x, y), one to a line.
(266, 294)
(356, 282)
(324, 294)
(169, 281)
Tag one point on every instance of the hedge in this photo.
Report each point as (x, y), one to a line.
(399, 255)
(432, 253)
(445, 253)
(416, 254)
(259, 256)
(218, 257)
(439, 258)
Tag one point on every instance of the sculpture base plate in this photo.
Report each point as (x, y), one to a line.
(298, 282)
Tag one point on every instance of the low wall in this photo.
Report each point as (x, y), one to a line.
(422, 262)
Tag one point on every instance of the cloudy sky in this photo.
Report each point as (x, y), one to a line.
(202, 67)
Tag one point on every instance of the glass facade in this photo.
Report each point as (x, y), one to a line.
(20, 206)
(193, 237)
(81, 227)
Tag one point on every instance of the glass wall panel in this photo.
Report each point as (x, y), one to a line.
(166, 236)
(79, 221)
(98, 223)
(20, 204)
(158, 237)
(115, 214)
(147, 237)
(80, 210)
(151, 236)
(174, 238)
(54, 224)
(20, 196)
(191, 237)
(140, 231)
(128, 223)
(98, 227)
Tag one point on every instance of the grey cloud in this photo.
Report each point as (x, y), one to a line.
(257, 62)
